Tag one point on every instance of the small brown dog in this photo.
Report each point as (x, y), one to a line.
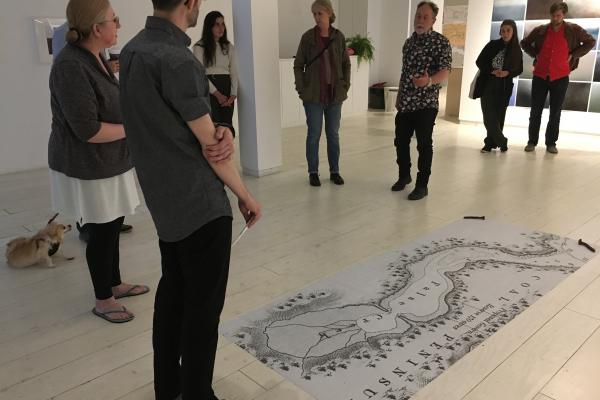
(24, 252)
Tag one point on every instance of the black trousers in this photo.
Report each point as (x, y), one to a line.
(221, 114)
(102, 254)
(539, 91)
(493, 107)
(421, 124)
(188, 305)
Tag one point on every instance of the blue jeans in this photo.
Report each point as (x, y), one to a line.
(314, 119)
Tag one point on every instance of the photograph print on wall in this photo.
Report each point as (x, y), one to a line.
(528, 14)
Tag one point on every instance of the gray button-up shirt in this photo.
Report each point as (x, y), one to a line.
(162, 87)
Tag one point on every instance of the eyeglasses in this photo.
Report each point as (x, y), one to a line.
(116, 20)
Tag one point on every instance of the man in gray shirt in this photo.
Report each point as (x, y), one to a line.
(165, 105)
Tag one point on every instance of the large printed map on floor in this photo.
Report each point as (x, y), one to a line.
(384, 328)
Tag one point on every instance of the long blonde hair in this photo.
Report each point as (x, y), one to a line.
(81, 17)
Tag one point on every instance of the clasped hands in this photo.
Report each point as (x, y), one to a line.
(223, 149)
(223, 100)
(498, 73)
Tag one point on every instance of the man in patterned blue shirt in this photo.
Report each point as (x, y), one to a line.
(427, 58)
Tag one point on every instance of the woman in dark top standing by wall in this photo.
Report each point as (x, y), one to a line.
(91, 174)
(499, 62)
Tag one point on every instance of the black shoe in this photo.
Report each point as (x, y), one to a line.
(418, 193)
(336, 178)
(84, 232)
(486, 149)
(126, 228)
(314, 180)
(401, 183)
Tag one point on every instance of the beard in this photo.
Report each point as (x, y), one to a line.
(192, 18)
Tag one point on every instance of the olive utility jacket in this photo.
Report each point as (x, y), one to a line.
(308, 81)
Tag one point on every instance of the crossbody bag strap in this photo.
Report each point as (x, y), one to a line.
(318, 55)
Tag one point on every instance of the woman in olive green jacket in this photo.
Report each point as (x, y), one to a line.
(322, 77)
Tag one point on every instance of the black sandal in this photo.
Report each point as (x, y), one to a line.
(106, 315)
(131, 292)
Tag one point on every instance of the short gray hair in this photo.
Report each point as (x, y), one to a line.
(434, 7)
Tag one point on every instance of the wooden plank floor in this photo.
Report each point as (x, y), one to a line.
(52, 347)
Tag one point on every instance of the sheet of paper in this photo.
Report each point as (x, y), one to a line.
(242, 233)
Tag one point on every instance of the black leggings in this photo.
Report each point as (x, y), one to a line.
(102, 254)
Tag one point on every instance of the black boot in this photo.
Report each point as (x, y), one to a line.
(336, 178)
(401, 183)
(313, 179)
(418, 193)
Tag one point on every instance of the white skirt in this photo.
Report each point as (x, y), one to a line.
(94, 201)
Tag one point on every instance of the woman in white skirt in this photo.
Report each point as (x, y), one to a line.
(90, 170)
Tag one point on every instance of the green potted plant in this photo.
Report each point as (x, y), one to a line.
(362, 47)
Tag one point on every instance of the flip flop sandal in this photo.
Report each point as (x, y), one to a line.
(132, 291)
(106, 315)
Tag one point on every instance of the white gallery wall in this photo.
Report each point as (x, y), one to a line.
(25, 100)
(389, 24)
(478, 34)
(295, 18)
(353, 16)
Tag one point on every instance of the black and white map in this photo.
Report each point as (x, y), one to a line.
(386, 327)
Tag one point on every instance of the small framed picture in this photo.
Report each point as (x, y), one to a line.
(44, 28)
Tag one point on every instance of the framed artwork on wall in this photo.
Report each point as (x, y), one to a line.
(583, 93)
(44, 31)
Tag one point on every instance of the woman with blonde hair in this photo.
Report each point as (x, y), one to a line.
(91, 174)
(322, 78)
